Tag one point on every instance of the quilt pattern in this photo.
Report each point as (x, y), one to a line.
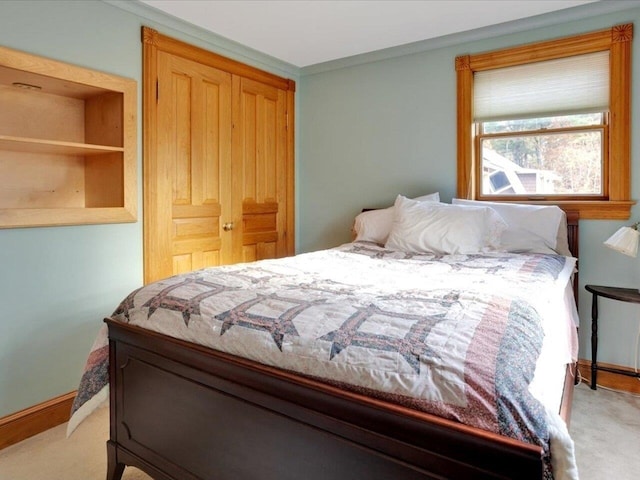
(457, 336)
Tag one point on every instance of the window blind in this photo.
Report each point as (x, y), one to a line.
(563, 86)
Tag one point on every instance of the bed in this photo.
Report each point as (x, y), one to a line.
(361, 361)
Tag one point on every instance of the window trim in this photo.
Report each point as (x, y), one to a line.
(602, 129)
(617, 40)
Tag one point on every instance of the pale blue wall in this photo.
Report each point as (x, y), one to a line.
(58, 283)
(386, 125)
(365, 133)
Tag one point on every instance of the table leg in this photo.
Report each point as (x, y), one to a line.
(594, 341)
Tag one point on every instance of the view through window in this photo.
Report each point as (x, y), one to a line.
(560, 155)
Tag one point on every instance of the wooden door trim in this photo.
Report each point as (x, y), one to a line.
(171, 45)
(289, 232)
(149, 142)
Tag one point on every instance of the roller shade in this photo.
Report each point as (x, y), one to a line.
(563, 86)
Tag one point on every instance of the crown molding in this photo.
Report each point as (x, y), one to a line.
(237, 51)
(582, 12)
(206, 39)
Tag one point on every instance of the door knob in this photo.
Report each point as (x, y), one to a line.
(227, 226)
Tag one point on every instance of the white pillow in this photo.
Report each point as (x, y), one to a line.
(375, 225)
(532, 228)
(444, 229)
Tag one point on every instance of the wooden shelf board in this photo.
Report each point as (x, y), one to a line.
(45, 217)
(35, 145)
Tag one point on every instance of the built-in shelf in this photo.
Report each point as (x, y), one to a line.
(36, 145)
(67, 143)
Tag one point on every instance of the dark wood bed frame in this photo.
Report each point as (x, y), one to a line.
(180, 411)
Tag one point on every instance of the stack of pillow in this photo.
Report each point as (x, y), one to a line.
(424, 225)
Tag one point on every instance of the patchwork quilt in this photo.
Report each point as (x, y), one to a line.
(458, 336)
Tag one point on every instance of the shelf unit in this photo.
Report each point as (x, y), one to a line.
(67, 144)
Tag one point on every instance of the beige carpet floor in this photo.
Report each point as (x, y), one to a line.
(605, 426)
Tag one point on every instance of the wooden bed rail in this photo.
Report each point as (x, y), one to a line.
(182, 411)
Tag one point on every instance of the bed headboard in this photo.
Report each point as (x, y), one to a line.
(573, 217)
(572, 231)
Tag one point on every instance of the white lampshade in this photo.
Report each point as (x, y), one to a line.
(625, 240)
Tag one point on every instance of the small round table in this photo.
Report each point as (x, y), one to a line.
(630, 295)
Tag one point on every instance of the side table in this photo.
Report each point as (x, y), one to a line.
(630, 295)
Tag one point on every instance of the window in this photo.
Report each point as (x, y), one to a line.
(549, 123)
(543, 158)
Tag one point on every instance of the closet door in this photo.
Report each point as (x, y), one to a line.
(218, 159)
(260, 171)
(191, 203)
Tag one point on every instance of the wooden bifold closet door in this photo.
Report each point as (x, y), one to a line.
(218, 160)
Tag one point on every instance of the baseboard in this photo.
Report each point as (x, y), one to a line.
(33, 420)
(609, 379)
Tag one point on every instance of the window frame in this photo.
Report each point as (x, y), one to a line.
(602, 128)
(616, 201)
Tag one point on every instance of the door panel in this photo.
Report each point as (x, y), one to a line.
(193, 193)
(259, 152)
(218, 160)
